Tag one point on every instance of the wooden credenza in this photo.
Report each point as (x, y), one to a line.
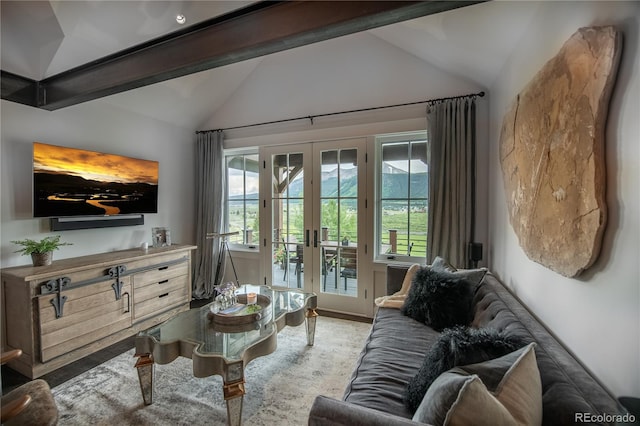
(60, 313)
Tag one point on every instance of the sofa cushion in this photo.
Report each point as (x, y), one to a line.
(454, 347)
(439, 299)
(391, 355)
(473, 275)
(460, 396)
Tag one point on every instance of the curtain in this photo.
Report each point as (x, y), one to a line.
(210, 193)
(451, 130)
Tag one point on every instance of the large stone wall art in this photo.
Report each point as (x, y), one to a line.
(552, 153)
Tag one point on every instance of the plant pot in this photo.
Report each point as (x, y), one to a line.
(42, 259)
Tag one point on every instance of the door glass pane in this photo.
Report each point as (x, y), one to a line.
(338, 219)
(287, 201)
(329, 187)
(348, 173)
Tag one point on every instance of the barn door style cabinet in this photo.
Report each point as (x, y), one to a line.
(62, 312)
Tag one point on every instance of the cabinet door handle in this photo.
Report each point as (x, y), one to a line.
(128, 302)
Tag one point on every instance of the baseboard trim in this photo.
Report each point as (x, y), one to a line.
(343, 316)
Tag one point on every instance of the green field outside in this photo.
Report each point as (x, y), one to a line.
(392, 218)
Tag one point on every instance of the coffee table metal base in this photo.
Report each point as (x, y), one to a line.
(146, 368)
(311, 316)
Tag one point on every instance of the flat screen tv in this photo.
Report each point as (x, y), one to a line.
(76, 182)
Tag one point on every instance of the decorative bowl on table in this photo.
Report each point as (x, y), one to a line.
(241, 312)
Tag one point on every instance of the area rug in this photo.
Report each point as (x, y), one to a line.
(280, 387)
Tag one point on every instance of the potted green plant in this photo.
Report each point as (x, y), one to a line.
(280, 256)
(41, 251)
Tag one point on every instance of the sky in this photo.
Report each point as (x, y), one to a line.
(93, 165)
(236, 182)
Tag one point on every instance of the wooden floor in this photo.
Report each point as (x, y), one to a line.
(12, 379)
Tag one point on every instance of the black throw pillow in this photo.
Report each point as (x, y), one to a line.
(439, 299)
(455, 347)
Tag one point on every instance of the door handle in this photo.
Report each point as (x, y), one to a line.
(128, 302)
(307, 238)
(315, 238)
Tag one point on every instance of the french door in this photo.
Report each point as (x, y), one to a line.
(313, 204)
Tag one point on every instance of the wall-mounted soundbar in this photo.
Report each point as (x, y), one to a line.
(86, 222)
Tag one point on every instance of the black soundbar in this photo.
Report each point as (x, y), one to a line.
(87, 222)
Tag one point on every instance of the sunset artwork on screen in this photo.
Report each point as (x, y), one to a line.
(76, 182)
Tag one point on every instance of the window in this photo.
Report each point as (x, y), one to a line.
(242, 197)
(402, 192)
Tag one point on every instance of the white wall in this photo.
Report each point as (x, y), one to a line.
(99, 127)
(598, 314)
(351, 72)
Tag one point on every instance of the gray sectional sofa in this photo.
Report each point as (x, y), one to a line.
(396, 347)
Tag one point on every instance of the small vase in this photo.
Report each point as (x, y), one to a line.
(42, 259)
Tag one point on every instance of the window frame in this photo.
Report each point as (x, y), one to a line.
(380, 141)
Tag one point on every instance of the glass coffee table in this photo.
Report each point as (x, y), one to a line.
(223, 349)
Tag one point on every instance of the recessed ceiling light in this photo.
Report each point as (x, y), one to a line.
(181, 19)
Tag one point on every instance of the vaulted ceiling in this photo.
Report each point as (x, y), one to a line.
(41, 39)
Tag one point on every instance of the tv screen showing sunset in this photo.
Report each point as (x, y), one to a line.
(76, 182)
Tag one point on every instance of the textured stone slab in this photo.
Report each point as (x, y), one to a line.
(552, 153)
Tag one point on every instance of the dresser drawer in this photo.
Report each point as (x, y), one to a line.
(160, 275)
(161, 299)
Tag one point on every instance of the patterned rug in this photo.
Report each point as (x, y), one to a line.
(280, 387)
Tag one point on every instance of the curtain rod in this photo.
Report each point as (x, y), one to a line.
(312, 117)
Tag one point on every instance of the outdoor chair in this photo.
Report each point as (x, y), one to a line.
(328, 265)
(349, 263)
(298, 259)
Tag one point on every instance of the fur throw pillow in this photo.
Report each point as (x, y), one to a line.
(439, 299)
(455, 347)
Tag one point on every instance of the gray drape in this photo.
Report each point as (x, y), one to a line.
(451, 129)
(210, 194)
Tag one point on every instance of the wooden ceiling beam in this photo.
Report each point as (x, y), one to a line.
(257, 30)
